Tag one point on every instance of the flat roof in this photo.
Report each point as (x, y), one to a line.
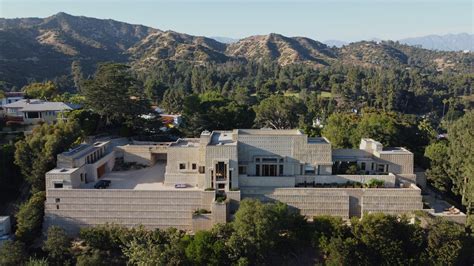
(186, 143)
(35, 105)
(83, 148)
(222, 138)
(394, 150)
(269, 131)
(318, 140)
(76, 149)
(62, 170)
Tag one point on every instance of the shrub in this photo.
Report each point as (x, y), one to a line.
(30, 218)
(221, 198)
(375, 183)
(12, 253)
(93, 258)
(37, 262)
(57, 245)
(201, 211)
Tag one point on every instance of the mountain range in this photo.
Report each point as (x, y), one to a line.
(447, 42)
(45, 48)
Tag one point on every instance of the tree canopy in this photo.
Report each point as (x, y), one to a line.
(36, 154)
(43, 91)
(115, 94)
(279, 112)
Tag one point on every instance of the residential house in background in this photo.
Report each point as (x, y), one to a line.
(33, 111)
(9, 97)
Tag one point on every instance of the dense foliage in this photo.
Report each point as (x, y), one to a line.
(264, 234)
(29, 218)
(36, 154)
(452, 160)
(10, 176)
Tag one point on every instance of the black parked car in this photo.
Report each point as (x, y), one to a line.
(102, 184)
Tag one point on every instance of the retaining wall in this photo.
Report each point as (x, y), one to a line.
(75, 208)
(342, 202)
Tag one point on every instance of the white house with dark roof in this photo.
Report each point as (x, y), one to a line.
(33, 111)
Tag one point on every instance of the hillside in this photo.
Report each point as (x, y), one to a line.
(44, 48)
(37, 49)
(284, 50)
(178, 47)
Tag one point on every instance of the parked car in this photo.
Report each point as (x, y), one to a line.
(180, 185)
(102, 184)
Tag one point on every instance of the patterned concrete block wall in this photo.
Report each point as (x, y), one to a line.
(140, 154)
(310, 201)
(266, 181)
(398, 163)
(392, 201)
(342, 202)
(389, 180)
(313, 202)
(74, 208)
(412, 178)
(294, 148)
(69, 179)
(207, 197)
(182, 155)
(219, 212)
(202, 222)
(313, 153)
(234, 198)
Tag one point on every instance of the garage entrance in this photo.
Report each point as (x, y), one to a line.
(158, 157)
(101, 171)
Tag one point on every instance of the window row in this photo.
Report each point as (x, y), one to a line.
(194, 167)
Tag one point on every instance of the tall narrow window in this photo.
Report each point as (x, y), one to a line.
(257, 170)
(202, 169)
(212, 179)
(221, 171)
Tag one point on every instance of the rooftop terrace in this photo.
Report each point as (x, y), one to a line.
(150, 178)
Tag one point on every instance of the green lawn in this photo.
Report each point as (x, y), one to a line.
(326, 94)
(294, 94)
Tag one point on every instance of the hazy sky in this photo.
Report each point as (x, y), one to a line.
(319, 19)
